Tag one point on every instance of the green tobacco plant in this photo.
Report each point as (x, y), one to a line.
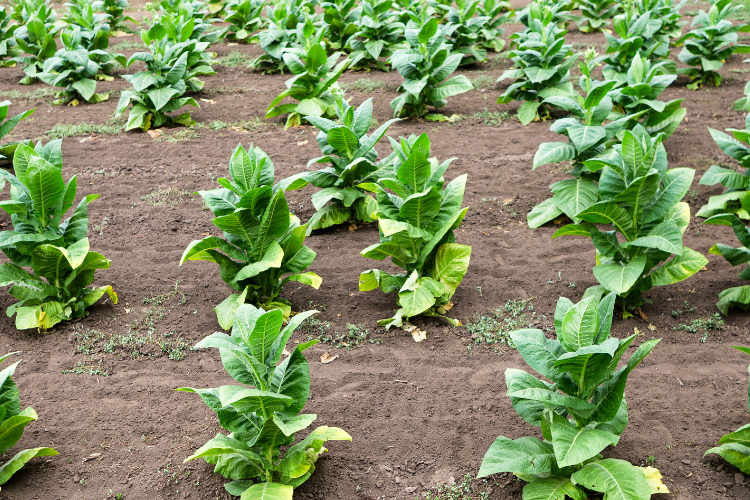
(426, 67)
(417, 215)
(57, 250)
(6, 125)
(580, 408)
(95, 39)
(465, 38)
(340, 18)
(379, 35)
(74, 68)
(13, 421)
(738, 296)
(24, 10)
(159, 89)
(263, 414)
(244, 18)
(735, 446)
(596, 14)
(710, 43)
(542, 64)
(498, 13)
(263, 246)
(115, 10)
(639, 98)
(314, 73)
(352, 171)
(743, 103)
(8, 46)
(77, 12)
(587, 136)
(666, 11)
(285, 21)
(641, 200)
(637, 37)
(557, 12)
(737, 183)
(37, 40)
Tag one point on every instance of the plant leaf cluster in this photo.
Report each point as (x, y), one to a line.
(595, 14)
(340, 18)
(36, 38)
(263, 245)
(417, 216)
(56, 249)
(8, 47)
(115, 11)
(286, 21)
(378, 36)
(262, 414)
(244, 18)
(738, 296)
(6, 125)
(426, 67)
(580, 407)
(497, 14)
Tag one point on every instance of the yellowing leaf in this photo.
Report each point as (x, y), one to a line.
(653, 478)
(327, 358)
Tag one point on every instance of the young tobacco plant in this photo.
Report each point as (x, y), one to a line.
(666, 11)
(557, 12)
(737, 183)
(36, 38)
(74, 68)
(314, 74)
(637, 37)
(6, 125)
(426, 67)
(587, 135)
(639, 98)
(580, 408)
(56, 249)
(285, 21)
(263, 414)
(379, 35)
(596, 14)
(13, 421)
(340, 18)
(711, 41)
(352, 171)
(498, 13)
(244, 18)
(465, 37)
(542, 64)
(8, 46)
(263, 246)
(738, 296)
(641, 199)
(115, 10)
(735, 446)
(417, 215)
(158, 90)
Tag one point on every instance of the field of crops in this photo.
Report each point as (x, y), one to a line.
(467, 193)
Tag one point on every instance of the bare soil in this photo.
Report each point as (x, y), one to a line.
(418, 413)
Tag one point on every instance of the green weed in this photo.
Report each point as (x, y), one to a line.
(123, 46)
(183, 134)
(496, 327)
(34, 95)
(255, 124)
(703, 326)
(166, 197)
(83, 369)
(492, 118)
(482, 81)
(365, 85)
(355, 335)
(233, 59)
(460, 491)
(65, 130)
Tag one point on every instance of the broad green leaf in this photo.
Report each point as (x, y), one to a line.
(552, 489)
(527, 455)
(226, 310)
(608, 212)
(344, 140)
(20, 459)
(543, 213)
(679, 268)
(538, 351)
(451, 264)
(617, 479)
(738, 296)
(553, 152)
(673, 188)
(573, 446)
(573, 196)
(666, 237)
(584, 137)
(580, 326)
(527, 111)
(272, 258)
(616, 277)
(736, 454)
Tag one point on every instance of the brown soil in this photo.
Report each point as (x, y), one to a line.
(418, 413)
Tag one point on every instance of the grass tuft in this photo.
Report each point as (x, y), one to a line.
(365, 85)
(492, 118)
(233, 59)
(65, 130)
(496, 327)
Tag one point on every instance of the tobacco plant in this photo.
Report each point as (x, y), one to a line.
(57, 250)
(641, 200)
(115, 10)
(417, 215)
(542, 64)
(639, 98)
(285, 20)
(263, 245)
(314, 75)
(557, 12)
(13, 422)
(6, 125)
(738, 296)
(580, 408)
(75, 68)
(426, 67)
(95, 39)
(159, 89)
(37, 40)
(340, 18)
(352, 171)
(8, 46)
(666, 11)
(465, 38)
(587, 136)
(379, 35)
(636, 36)
(735, 446)
(737, 183)
(262, 414)
(497, 13)
(596, 14)
(710, 43)
(77, 12)
(244, 18)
